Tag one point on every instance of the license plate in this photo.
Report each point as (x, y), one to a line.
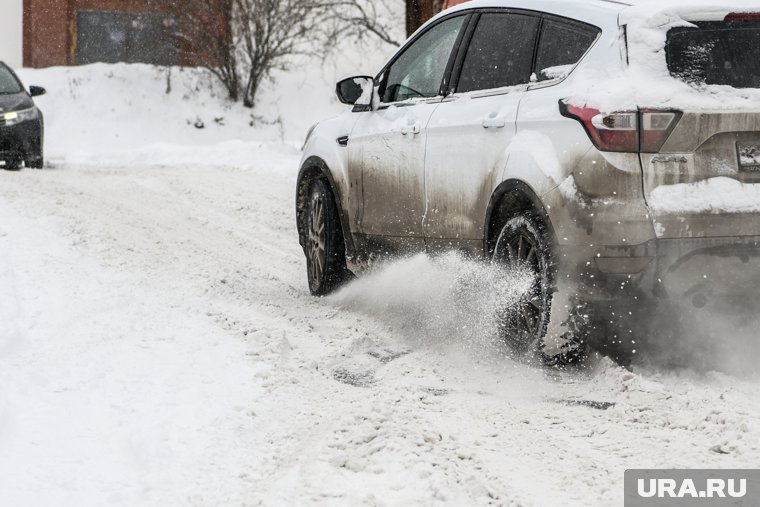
(749, 157)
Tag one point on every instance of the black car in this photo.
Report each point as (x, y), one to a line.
(21, 123)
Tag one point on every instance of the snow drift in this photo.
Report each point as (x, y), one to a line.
(117, 112)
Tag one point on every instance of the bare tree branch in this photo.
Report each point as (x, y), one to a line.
(242, 41)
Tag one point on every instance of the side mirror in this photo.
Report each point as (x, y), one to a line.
(356, 90)
(36, 91)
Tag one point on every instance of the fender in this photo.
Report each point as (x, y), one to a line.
(324, 154)
(309, 167)
(536, 166)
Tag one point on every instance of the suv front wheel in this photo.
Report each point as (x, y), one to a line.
(325, 248)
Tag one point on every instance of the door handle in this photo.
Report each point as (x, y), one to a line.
(494, 122)
(411, 129)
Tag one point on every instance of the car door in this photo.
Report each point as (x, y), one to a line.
(387, 144)
(469, 132)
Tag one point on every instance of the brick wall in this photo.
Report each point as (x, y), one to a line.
(47, 25)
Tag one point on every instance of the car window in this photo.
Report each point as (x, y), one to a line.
(561, 46)
(8, 83)
(419, 71)
(500, 52)
(716, 53)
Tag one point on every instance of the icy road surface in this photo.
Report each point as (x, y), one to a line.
(158, 346)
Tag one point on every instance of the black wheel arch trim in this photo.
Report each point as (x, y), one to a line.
(505, 188)
(309, 166)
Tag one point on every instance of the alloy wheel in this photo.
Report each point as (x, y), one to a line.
(317, 238)
(518, 248)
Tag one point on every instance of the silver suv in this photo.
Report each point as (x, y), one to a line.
(611, 147)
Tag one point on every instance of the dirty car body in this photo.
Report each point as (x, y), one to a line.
(600, 119)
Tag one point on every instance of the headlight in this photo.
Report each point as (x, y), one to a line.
(15, 117)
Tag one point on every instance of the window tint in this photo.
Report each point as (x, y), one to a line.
(418, 72)
(500, 53)
(8, 83)
(561, 46)
(720, 53)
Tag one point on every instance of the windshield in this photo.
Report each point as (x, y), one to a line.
(716, 53)
(8, 82)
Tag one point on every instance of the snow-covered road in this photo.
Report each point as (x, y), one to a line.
(158, 347)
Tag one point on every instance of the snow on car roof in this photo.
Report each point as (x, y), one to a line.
(647, 81)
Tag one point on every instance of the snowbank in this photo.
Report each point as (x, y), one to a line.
(120, 112)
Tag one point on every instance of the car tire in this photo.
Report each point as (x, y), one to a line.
(12, 165)
(525, 243)
(35, 163)
(325, 247)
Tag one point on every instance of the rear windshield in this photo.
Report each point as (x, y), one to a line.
(716, 53)
(8, 83)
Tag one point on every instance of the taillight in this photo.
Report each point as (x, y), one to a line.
(656, 127)
(645, 130)
(743, 16)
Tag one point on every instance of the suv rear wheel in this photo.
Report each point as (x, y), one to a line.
(325, 248)
(524, 243)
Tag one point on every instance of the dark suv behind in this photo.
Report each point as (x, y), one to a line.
(21, 123)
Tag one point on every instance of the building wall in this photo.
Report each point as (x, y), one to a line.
(11, 51)
(50, 27)
(46, 32)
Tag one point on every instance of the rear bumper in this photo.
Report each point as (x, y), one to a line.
(700, 271)
(21, 141)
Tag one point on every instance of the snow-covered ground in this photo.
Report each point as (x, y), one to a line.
(158, 345)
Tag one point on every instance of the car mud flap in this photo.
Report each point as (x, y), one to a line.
(586, 318)
(570, 328)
